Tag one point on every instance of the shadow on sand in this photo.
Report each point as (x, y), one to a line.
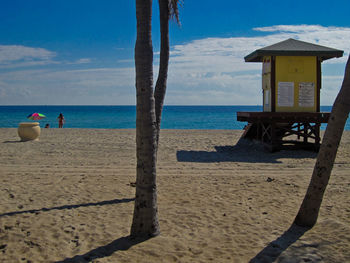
(276, 247)
(108, 202)
(123, 243)
(243, 151)
(12, 141)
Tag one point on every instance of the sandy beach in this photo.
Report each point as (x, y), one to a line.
(69, 198)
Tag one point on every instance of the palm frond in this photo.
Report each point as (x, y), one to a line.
(174, 9)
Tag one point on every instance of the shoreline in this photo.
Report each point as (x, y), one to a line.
(54, 128)
(68, 197)
(105, 117)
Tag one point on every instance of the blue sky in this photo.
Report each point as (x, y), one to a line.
(80, 52)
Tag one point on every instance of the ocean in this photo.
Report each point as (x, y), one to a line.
(123, 117)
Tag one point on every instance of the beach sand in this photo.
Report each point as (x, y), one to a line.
(68, 198)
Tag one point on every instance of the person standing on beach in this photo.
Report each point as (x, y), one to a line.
(61, 120)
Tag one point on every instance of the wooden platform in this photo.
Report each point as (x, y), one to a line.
(273, 128)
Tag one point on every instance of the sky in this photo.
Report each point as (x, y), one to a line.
(81, 52)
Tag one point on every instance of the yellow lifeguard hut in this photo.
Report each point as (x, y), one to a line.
(291, 84)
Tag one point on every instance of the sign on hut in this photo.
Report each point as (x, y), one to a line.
(291, 84)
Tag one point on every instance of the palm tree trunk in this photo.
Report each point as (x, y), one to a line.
(161, 84)
(308, 212)
(145, 218)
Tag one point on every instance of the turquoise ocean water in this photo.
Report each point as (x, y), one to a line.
(123, 117)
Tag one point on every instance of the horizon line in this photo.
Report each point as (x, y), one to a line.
(111, 105)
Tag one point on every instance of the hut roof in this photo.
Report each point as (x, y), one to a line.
(292, 47)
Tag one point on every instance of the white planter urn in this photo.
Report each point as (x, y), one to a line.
(29, 131)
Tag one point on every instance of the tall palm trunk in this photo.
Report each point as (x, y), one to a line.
(149, 110)
(145, 219)
(308, 212)
(161, 84)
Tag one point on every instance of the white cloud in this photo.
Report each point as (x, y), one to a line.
(204, 71)
(330, 88)
(16, 55)
(334, 37)
(90, 86)
(217, 64)
(82, 61)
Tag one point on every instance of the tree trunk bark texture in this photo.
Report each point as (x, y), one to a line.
(145, 219)
(309, 210)
(161, 84)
